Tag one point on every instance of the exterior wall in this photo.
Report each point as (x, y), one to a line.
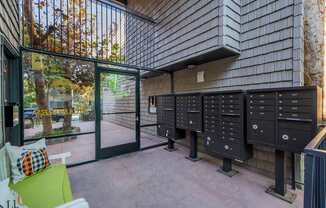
(9, 27)
(186, 29)
(9, 21)
(271, 55)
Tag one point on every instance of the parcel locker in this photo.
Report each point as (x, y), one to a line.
(286, 120)
(298, 112)
(224, 130)
(189, 112)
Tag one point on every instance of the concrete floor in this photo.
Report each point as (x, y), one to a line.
(156, 178)
(83, 147)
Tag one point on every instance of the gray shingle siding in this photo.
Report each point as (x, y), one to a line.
(186, 29)
(9, 21)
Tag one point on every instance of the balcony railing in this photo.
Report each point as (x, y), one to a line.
(315, 172)
(93, 29)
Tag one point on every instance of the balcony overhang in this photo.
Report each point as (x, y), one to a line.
(213, 55)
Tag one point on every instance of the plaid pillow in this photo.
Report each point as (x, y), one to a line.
(32, 161)
(27, 160)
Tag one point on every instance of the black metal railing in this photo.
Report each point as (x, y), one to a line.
(94, 29)
(315, 172)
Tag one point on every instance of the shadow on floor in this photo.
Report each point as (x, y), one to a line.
(156, 178)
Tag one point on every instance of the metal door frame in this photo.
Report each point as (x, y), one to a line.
(103, 153)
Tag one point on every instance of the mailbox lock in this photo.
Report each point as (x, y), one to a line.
(255, 126)
(208, 141)
(159, 126)
(226, 147)
(285, 137)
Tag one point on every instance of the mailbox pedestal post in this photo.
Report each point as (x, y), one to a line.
(280, 188)
(170, 146)
(193, 155)
(226, 168)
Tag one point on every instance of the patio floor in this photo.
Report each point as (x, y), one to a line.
(156, 178)
(82, 148)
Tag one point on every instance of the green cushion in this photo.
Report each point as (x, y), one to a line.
(47, 189)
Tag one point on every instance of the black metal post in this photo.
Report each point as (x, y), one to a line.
(293, 171)
(280, 188)
(280, 173)
(226, 168)
(227, 165)
(170, 146)
(193, 156)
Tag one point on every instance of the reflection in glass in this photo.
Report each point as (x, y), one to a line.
(58, 96)
(118, 109)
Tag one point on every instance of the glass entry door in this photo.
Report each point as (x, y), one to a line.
(117, 112)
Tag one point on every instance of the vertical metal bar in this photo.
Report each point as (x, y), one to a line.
(111, 39)
(120, 46)
(86, 33)
(322, 183)
(96, 29)
(54, 25)
(21, 97)
(138, 115)
(39, 23)
(23, 22)
(68, 45)
(61, 22)
(97, 111)
(125, 37)
(102, 48)
(116, 35)
(80, 28)
(107, 33)
(47, 23)
(91, 28)
(74, 20)
(316, 181)
(31, 25)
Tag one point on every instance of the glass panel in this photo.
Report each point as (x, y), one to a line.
(117, 129)
(118, 109)
(82, 147)
(149, 137)
(58, 96)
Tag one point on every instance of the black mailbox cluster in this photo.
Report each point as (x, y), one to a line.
(284, 118)
(166, 116)
(189, 112)
(224, 124)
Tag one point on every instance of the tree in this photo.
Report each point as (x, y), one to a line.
(70, 20)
